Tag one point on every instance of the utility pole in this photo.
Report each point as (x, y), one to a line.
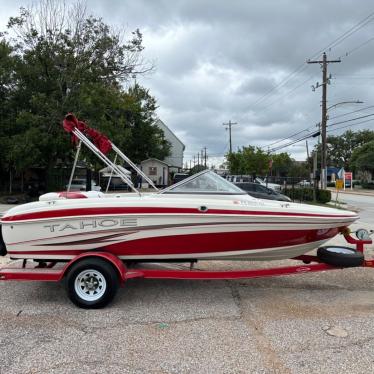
(228, 126)
(204, 157)
(198, 158)
(325, 82)
(194, 161)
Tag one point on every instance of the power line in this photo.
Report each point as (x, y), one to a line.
(354, 111)
(351, 119)
(352, 124)
(288, 93)
(294, 142)
(358, 47)
(316, 133)
(287, 138)
(299, 69)
(358, 26)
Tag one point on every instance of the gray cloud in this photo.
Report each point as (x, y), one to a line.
(216, 59)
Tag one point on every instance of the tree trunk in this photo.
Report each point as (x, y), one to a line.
(10, 180)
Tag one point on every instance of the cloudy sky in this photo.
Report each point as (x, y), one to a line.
(244, 61)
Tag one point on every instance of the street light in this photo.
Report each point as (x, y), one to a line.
(341, 103)
(324, 141)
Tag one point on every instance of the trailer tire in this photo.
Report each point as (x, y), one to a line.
(340, 256)
(92, 283)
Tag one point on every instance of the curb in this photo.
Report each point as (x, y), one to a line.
(363, 193)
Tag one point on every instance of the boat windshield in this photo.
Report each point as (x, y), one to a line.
(205, 182)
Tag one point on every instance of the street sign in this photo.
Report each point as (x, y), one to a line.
(339, 184)
(348, 176)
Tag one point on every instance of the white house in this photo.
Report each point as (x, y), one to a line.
(175, 160)
(156, 170)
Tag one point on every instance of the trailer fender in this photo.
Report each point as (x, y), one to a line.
(112, 259)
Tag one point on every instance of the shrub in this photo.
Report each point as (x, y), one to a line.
(306, 194)
(368, 185)
(323, 196)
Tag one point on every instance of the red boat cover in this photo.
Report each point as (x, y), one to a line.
(101, 141)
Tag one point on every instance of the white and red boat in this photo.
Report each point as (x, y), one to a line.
(202, 217)
(93, 240)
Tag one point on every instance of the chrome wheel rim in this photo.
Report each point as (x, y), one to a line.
(90, 285)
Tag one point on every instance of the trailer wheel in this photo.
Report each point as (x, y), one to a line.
(92, 283)
(340, 256)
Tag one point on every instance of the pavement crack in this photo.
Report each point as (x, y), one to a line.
(270, 357)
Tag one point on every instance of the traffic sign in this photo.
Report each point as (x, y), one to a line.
(339, 184)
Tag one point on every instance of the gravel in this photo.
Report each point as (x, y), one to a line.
(310, 323)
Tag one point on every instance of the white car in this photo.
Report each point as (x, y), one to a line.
(305, 183)
(273, 186)
(80, 185)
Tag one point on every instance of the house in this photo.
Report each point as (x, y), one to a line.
(156, 170)
(175, 160)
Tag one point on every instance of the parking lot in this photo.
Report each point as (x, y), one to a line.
(318, 322)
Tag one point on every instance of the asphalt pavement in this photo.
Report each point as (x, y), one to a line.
(309, 323)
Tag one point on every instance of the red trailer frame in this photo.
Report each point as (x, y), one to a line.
(54, 272)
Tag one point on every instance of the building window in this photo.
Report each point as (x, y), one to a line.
(152, 170)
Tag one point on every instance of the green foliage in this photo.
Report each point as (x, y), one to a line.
(63, 60)
(248, 160)
(340, 148)
(306, 194)
(368, 185)
(282, 163)
(298, 170)
(323, 196)
(197, 169)
(363, 157)
(251, 160)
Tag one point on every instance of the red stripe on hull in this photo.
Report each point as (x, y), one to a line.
(205, 243)
(61, 213)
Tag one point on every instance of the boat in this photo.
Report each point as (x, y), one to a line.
(202, 217)
(96, 241)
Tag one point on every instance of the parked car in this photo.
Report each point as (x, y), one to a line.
(80, 185)
(238, 178)
(273, 186)
(261, 192)
(179, 177)
(305, 183)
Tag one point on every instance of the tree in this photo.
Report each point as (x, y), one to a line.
(64, 60)
(196, 169)
(340, 148)
(363, 157)
(248, 160)
(282, 162)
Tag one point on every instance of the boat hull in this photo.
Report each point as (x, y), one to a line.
(144, 235)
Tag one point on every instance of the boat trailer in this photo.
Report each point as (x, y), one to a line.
(84, 264)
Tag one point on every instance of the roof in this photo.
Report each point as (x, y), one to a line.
(107, 171)
(154, 159)
(159, 122)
